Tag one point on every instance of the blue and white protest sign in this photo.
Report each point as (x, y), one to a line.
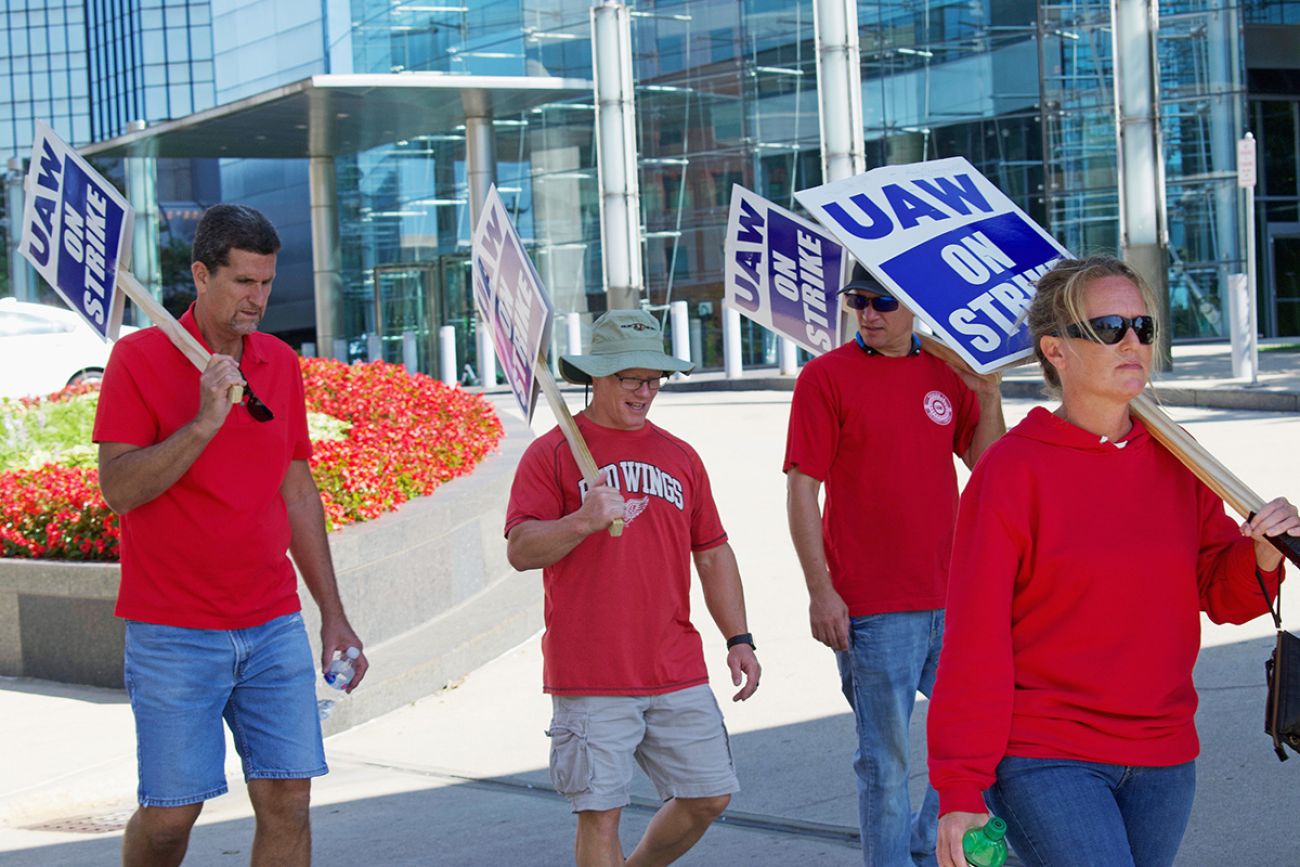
(957, 250)
(510, 298)
(76, 231)
(783, 272)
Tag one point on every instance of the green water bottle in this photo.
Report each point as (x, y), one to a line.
(985, 847)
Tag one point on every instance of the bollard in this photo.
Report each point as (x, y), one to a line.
(410, 353)
(573, 324)
(340, 350)
(677, 312)
(731, 358)
(487, 357)
(308, 349)
(374, 348)
(447, 354)
(789, 357)
(1244, 361)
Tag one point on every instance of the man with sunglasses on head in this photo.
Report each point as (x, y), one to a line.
(621, 660)
(211, 496)
(877, 422)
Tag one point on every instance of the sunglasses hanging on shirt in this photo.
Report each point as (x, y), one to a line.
(258, 410)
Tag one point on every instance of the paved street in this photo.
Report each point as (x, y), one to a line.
(459, 778)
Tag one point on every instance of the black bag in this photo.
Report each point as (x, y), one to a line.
(1282, 670)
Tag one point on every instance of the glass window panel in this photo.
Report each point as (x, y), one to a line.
(178, 45)
(155, 102)
(180, 100)
(151, 19)
(201, 43)
(1279, 147)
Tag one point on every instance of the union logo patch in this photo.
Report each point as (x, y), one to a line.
(938, 407)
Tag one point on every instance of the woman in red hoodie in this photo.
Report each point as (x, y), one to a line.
(1083, 557)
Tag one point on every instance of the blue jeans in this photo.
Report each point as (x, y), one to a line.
(1061, 811)
(182, 682)
(891, 657)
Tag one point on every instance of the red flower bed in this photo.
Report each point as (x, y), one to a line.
(56, 513)
(409, 434)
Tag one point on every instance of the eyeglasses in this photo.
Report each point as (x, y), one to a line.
(258, 410)
(1111, 329)
(882, 303)
(632, 383)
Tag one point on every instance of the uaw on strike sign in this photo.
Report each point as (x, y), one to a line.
(783, 272)
(950, 244)
(76, 231)
(511, 300)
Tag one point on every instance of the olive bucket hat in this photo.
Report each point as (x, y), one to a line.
(622, 340)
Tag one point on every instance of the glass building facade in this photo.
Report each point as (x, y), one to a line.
(726, 93)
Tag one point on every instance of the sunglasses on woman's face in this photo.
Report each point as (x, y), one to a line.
(1111, 329)
(882, 303)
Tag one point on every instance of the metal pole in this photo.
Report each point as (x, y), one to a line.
(481, 164)
(327, 283)
(1141, 161)
(20, 274)
(1247, 144)
(142, 192)
(616, 153)
(839, 88)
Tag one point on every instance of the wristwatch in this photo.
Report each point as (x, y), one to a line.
(742, 638)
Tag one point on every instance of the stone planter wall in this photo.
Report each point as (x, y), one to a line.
(428, 589)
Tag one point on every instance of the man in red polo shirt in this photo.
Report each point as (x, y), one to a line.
(211, 497)
(877, 422)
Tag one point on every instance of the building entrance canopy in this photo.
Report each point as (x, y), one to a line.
(330, 115)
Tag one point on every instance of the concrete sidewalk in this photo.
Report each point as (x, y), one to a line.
(459, 777)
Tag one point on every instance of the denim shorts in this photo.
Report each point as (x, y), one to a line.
(182, 682)
(678, 738)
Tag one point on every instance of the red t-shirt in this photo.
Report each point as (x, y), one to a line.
(210, 551)
(880, 432)
(1079, 572)
(618, 609)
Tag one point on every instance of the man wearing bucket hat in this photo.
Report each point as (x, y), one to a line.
(621, 660)
(877, 422)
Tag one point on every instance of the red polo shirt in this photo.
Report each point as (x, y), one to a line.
(881, 432)
(210, 551)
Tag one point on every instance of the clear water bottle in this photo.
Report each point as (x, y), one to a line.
(985, 847)
(341, 670)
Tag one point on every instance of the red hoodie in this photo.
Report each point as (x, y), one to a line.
(1079, 569)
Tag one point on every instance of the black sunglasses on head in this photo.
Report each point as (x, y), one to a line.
(1111, 329)
(882, 303)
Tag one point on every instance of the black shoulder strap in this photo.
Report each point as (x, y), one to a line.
(1274, 608)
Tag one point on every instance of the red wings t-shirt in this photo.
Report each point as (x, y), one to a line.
(880, 432)
(618, 609)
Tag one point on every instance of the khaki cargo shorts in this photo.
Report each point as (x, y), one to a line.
(678, 739)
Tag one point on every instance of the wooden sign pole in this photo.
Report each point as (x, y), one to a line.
(569, 427)
(179, 336)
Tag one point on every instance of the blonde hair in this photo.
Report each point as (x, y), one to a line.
(1058, 303)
